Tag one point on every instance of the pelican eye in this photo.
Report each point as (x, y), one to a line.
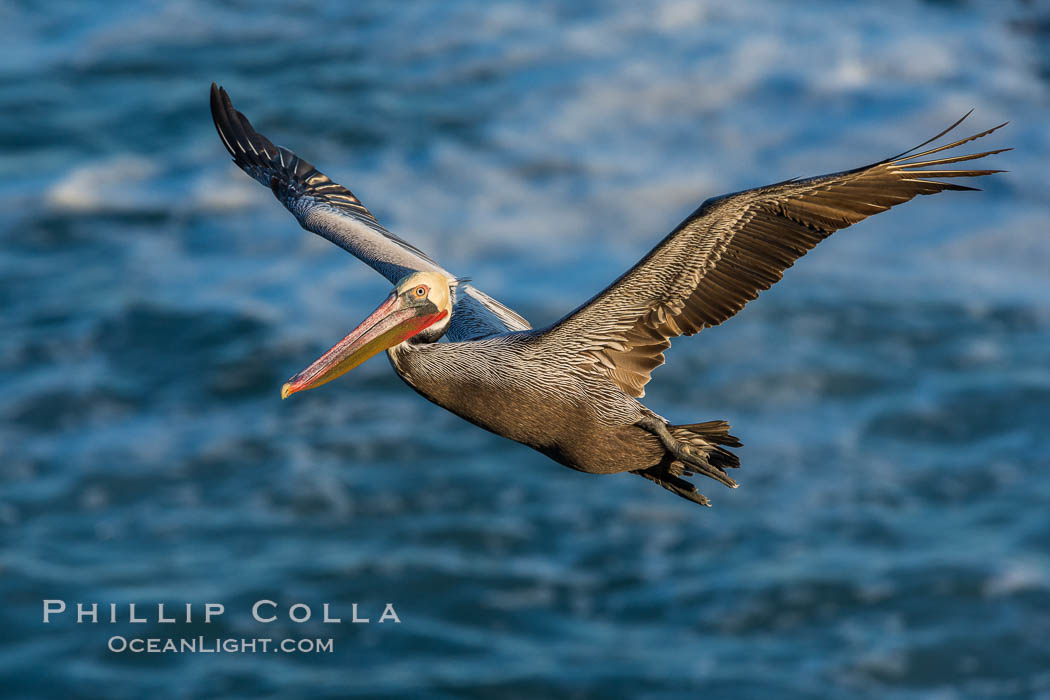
(420, 291)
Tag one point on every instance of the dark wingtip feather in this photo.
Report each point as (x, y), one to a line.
(954, 144)
(931, 140)
(950, 186)
(220, 101)
(252, 151)
(918, 171)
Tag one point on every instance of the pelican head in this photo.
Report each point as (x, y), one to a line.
(419, 308)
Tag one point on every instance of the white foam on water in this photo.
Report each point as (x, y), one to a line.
(229, 190)
(113, 184)
(1016, 576)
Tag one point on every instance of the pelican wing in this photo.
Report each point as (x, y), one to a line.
(333, 212)
(732, 248)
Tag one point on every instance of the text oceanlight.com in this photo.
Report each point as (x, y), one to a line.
(229, 645)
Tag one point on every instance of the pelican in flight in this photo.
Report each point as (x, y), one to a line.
(570, 389)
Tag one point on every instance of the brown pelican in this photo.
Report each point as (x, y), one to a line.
(571, 389)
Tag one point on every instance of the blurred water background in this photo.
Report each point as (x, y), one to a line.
(891, 538)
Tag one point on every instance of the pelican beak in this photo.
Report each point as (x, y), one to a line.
(393, 322)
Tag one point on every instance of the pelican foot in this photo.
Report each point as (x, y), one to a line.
(693, 459)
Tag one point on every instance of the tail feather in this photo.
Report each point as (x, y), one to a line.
(711, 437)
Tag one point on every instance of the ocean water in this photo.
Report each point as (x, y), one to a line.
(891, 536)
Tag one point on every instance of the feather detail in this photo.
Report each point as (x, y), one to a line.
(733, 247)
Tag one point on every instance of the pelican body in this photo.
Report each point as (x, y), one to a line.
(571, 390)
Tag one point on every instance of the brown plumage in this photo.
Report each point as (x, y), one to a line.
(732, 248)
(571, 390)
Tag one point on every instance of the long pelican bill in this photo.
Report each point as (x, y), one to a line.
(388, 325)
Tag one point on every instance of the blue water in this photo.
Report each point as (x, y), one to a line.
(891, 536)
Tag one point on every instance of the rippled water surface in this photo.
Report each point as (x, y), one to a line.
(891, 537)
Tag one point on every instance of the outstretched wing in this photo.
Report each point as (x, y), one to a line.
(333, 212)
(729, 250)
